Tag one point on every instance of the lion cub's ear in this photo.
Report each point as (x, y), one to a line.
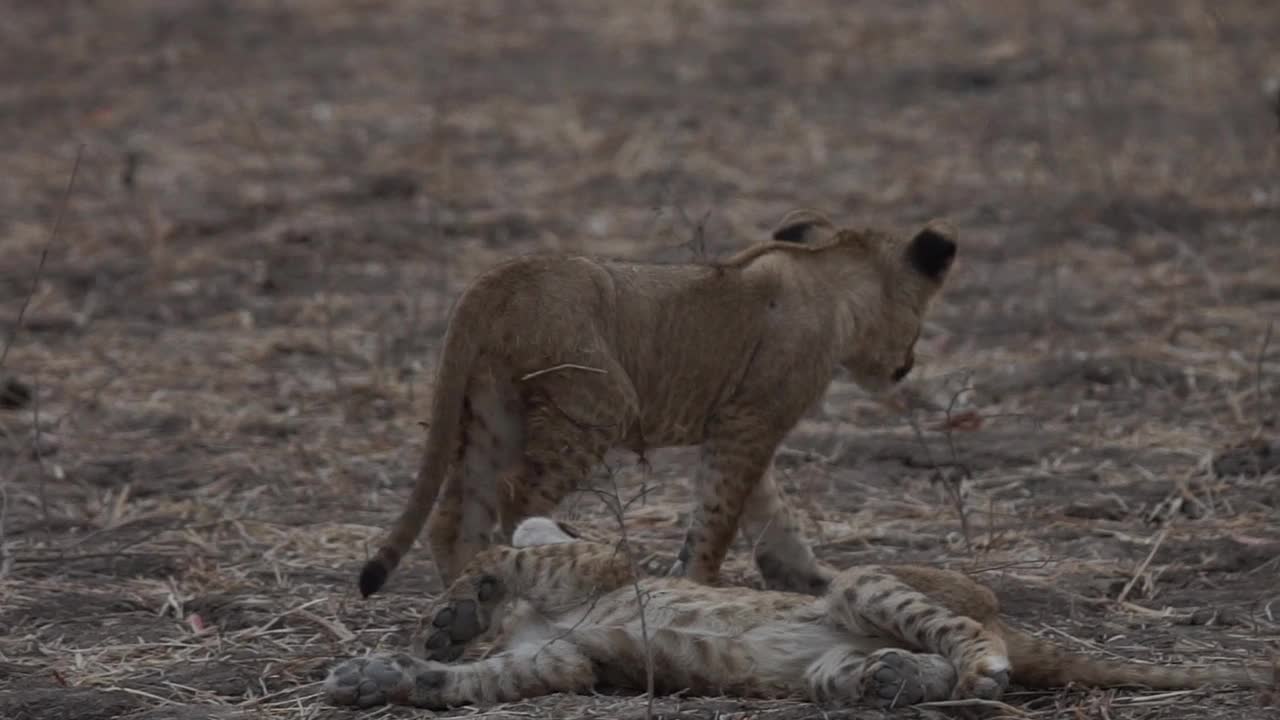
(803, 226)
(932, 250)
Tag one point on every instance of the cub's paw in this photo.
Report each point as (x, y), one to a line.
(460, 619)
(986, 680)
(371, 680)
(800, 578)
(893, 679)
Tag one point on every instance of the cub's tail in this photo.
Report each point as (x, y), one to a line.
(459, 353)
(1040, 663)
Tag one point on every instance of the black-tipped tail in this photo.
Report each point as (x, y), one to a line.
(372, 577)
(374, 574)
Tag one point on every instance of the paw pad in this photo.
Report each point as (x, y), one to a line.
(893, 680)
(456, 624)
(363, 682)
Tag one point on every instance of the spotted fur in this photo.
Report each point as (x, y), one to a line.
(549, 362)
(885, 636)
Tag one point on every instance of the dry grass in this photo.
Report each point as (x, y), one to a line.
(228, 345)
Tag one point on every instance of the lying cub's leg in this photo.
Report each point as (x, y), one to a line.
(552, 578)
(401, 679)
(887, 678)
(873, 600)
(464, 613)
(784, 557)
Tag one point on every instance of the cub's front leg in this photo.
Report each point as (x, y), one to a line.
(736, 455)
(551, 578)
(400, 679)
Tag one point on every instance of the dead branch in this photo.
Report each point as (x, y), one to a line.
(44, 255)
(6, 560)
(1259, 398)
(331, 359)
(36, 447)
(557, 368)
(640, 598)
(1142, 567)
(957, 472)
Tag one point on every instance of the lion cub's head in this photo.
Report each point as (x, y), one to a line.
(891, 282)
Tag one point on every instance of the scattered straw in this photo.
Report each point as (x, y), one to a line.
(226, 352)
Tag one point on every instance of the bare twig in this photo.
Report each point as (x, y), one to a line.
(1273, 90)
(255, 133)
(36, 443)
(612, 498)
(1142, 567)
(1259, 399)
(988, 705)
(44, 255)
(17, 327)
(327, 290)
(557, 368)
(6, 560)
(95, 392)
(1018, 564)
(950, 425)
(415, 319)
(640, 597)
(959, 472)
(698, 240)
(112, 555)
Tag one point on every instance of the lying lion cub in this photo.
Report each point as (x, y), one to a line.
(885, 636)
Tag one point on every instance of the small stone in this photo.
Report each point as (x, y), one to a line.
(44, 445)
(14, 394)
(1253, 458)
(1221, 617)
(1105, 509)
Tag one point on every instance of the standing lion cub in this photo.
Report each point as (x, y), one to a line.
(550, 361)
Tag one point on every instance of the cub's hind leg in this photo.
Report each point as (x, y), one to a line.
(873, 600)
(463, 519)
(573, 417)
(541, 668)
(559, 456)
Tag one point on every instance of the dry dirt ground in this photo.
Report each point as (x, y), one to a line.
(213, 405)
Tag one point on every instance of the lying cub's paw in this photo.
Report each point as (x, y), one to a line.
(458, 621)
(893, 680)
(397, 679)
(986, 681)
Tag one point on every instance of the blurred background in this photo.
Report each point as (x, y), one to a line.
(211, 408)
